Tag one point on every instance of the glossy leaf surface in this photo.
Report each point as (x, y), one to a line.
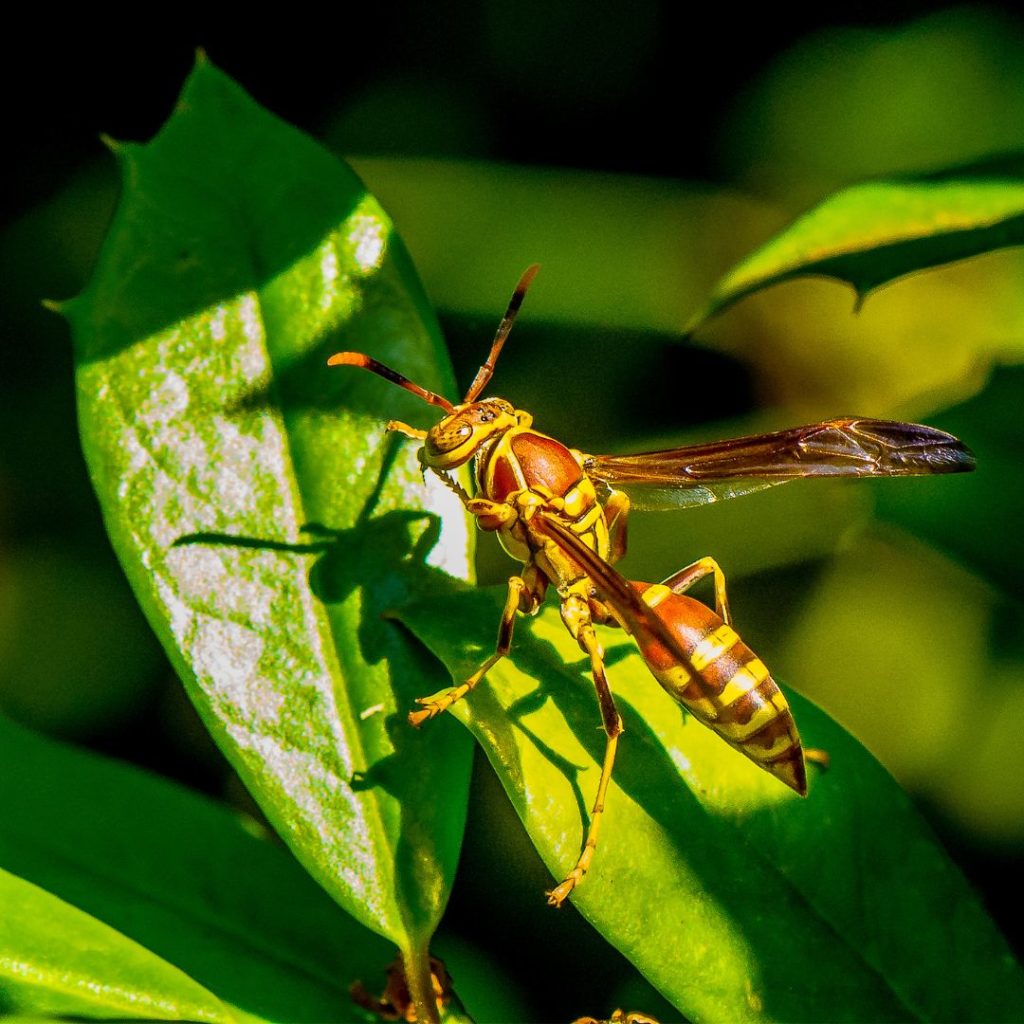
(163, 867)
(869, 234)
(716, 881)
(55, 959)
(240, 257)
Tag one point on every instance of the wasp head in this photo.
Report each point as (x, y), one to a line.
(462, 433)
(468, 427)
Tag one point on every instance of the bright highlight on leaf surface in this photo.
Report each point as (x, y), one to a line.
(259, 513)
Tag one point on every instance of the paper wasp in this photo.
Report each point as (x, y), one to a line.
(562, 513)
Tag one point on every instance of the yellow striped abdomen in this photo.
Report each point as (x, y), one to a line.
(723, 684)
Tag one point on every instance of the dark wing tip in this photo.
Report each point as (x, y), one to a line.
(915, 448)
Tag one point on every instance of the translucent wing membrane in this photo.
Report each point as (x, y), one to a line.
(703, 473)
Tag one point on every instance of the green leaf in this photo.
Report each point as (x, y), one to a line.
(240, 257)
(162, 866)
(870, 234)
(55, 959)
(736, 898)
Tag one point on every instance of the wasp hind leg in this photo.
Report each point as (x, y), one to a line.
(578, 621)
(681, 581)
(520, 598)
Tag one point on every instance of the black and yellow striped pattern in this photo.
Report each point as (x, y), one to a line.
(724, 685)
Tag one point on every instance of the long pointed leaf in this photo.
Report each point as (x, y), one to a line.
(869, 234)
(736, 898)
(55, 959)
(240, 256)
(182, 877)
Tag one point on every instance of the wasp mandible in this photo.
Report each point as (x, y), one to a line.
(562, 513)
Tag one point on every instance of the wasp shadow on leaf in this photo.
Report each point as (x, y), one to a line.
(360, 573)
(382, 555)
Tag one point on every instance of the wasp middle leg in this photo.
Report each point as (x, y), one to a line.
(576, 615)
(520, 598)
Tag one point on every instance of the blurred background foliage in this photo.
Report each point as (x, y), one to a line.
(497, 135)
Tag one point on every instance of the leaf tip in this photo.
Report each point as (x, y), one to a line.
(691, 325)
(860, 296)
(118, 148)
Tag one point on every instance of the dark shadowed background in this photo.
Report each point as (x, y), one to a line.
(636, 150)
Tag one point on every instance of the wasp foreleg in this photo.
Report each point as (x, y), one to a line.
(491, 515)
(578, 620)
(681, 581)
(519, 598)
(398, 427)
(616, 512)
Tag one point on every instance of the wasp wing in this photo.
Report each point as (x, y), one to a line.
(703, 473)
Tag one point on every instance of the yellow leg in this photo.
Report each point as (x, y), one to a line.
(681, 581)
(403, 428)
(613, 729)
(616, 512)
(815, 755)
(433, 706)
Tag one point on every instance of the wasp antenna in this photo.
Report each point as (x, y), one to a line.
(483, 375)
(358, 359)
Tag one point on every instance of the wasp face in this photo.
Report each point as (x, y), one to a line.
(459, 436)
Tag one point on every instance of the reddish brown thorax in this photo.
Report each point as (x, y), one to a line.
(547, 463)
(537, 462)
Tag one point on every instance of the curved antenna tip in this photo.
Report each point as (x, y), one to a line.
(371, 364)
(347, 359)
(483, 375)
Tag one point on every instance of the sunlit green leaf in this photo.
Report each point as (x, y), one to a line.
(163, 867)
(720, 884)
(240, 257)
(869, 234)
(55, 959)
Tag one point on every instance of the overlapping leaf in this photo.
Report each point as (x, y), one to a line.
(55, 959)
(161, 868)
(869, 234)
(738, 900)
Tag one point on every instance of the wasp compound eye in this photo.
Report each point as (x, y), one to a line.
(445, 439)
